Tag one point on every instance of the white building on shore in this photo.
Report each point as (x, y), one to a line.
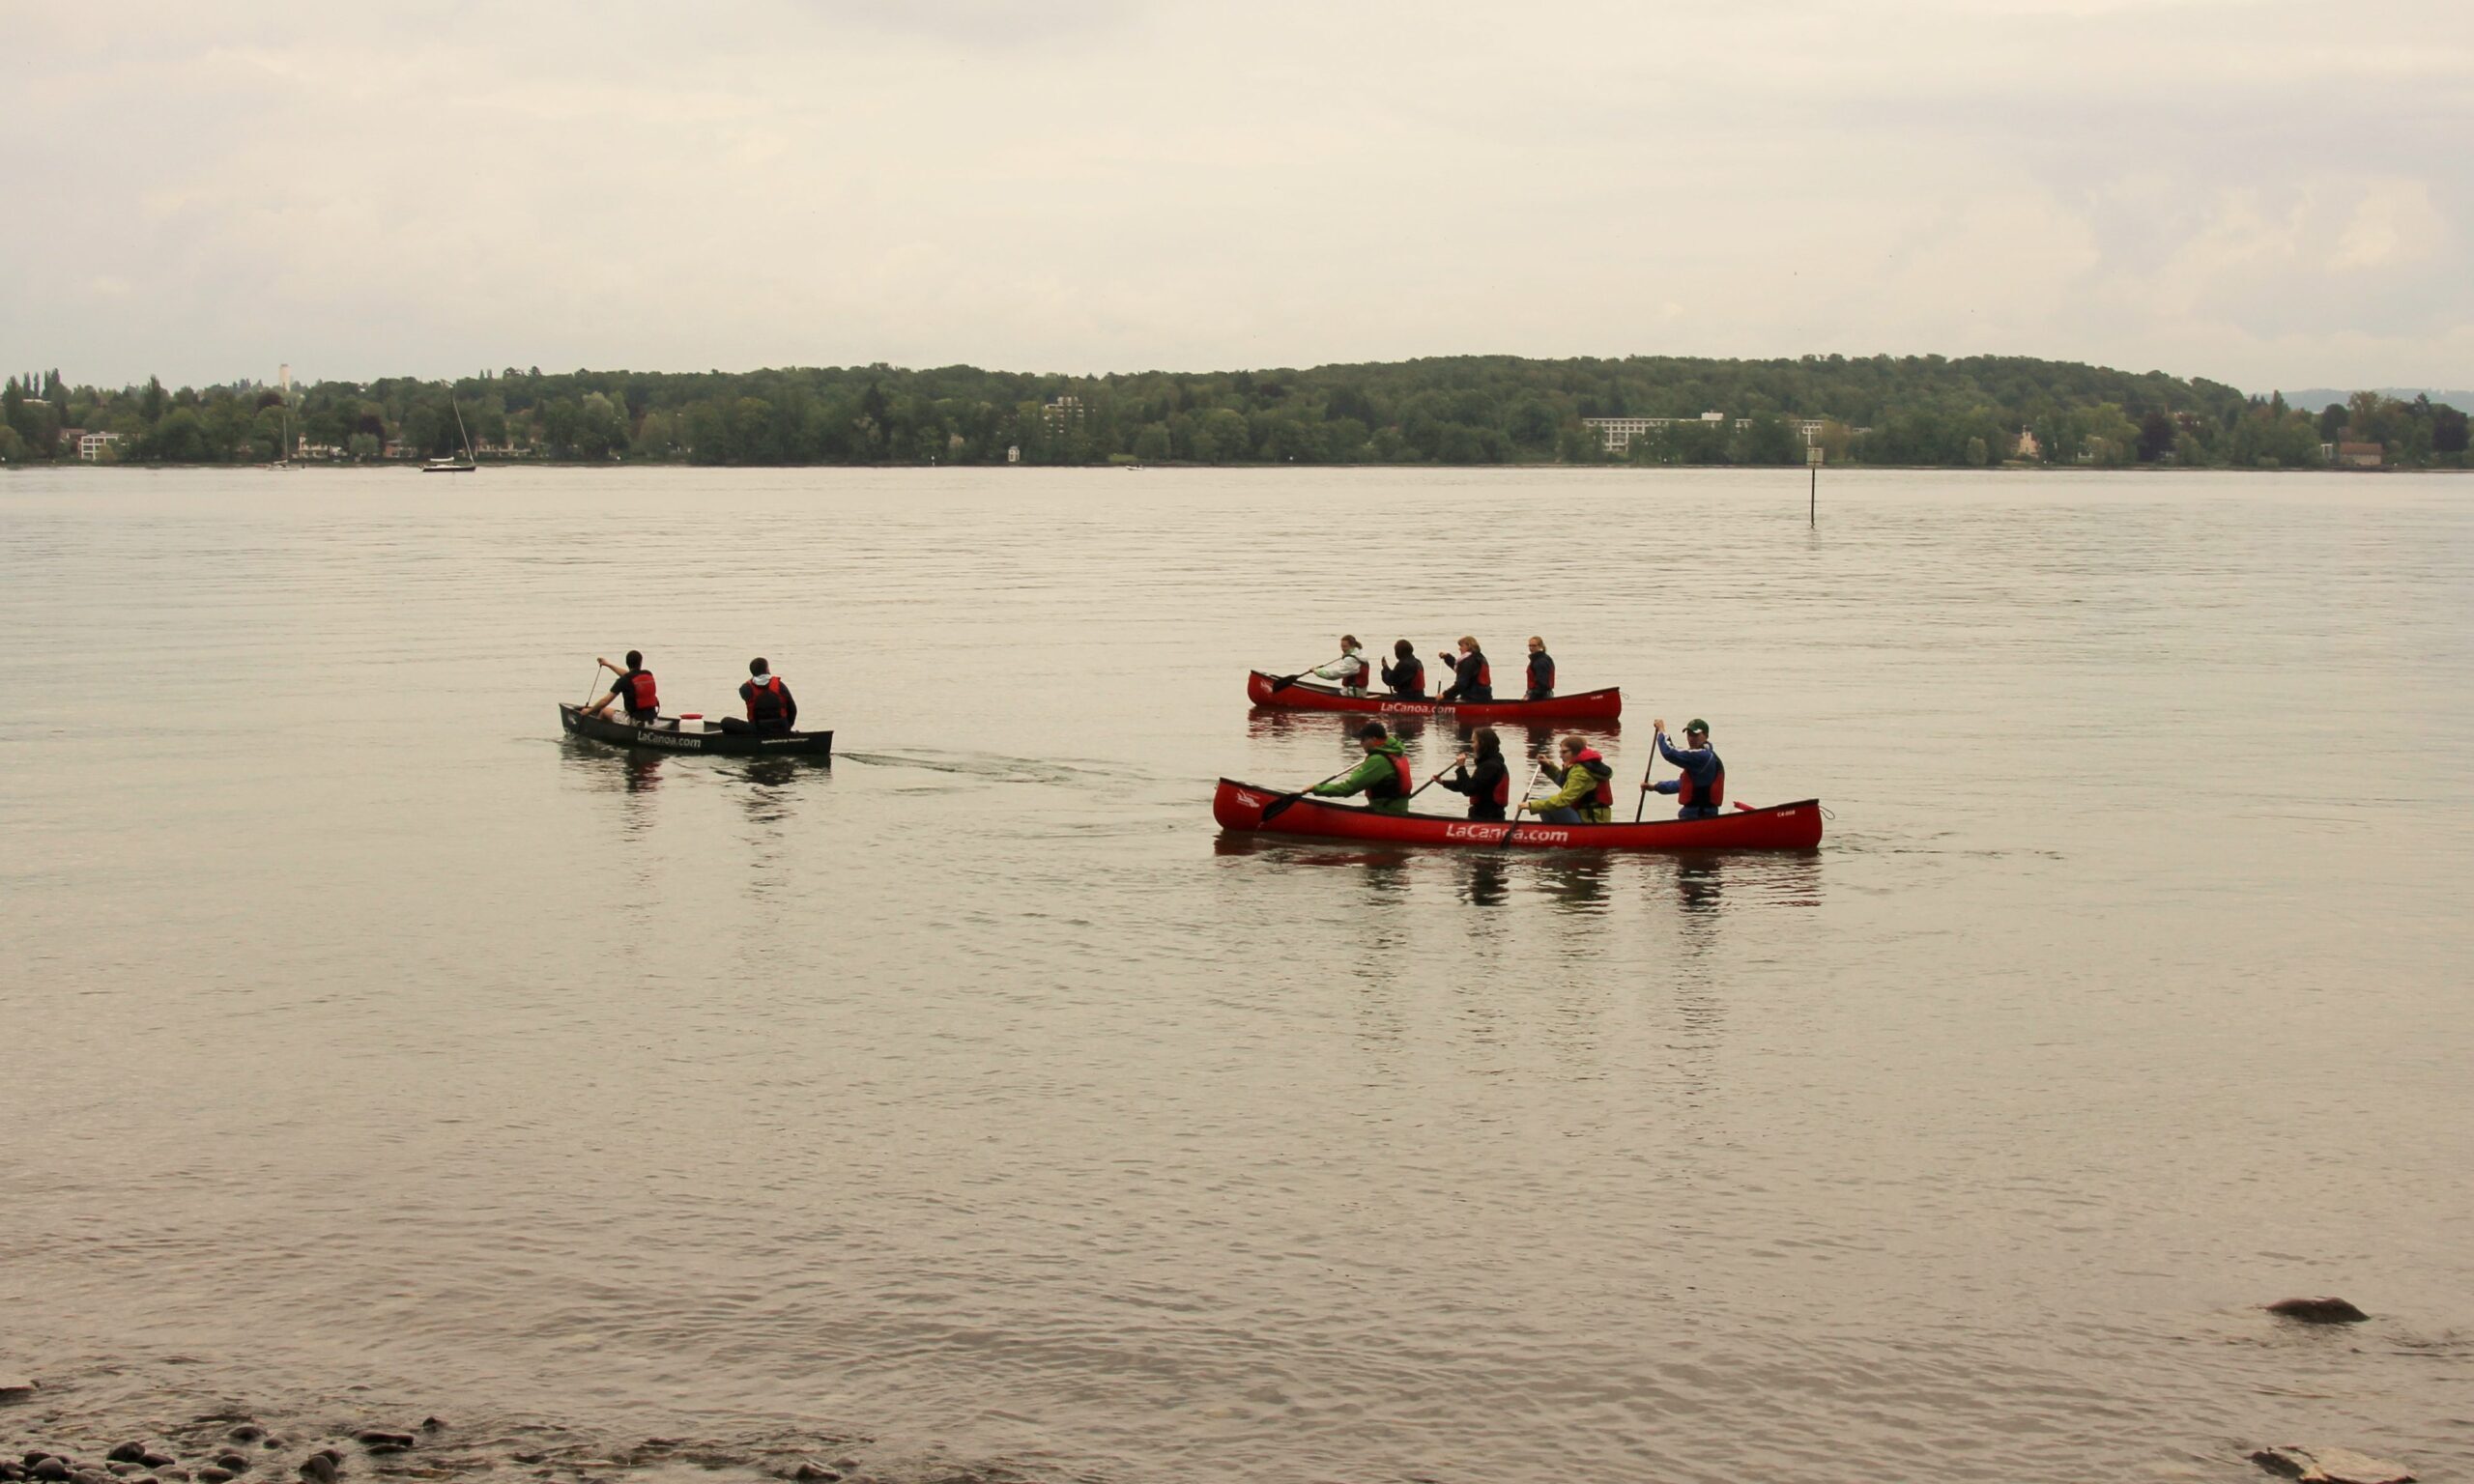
(1617, 433)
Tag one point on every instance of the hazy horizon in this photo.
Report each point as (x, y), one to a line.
(2215, 189)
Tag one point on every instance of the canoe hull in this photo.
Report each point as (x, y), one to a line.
(1603, 705)
(1239, 807)
(662, 738)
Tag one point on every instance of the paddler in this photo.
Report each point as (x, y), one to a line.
(770, 706)
(1350, 671)
(1485, 777)
(1700, 784)
(1585, 791)
(1542, 671)
(1406, 675)
(1383, 777)
(1473, 680)
(634, 689)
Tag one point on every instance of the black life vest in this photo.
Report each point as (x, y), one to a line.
(765, 703)
(1541, 675)
(1395, 784)
(1409, 677)
(1689, 795)
(641, 698)
(1603, 796)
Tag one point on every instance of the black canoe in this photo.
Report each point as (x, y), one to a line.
(667, 735)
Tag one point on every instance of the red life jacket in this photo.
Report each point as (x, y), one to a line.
(1605, 796)
(1502, 789)
(1688, 795)
(1485, 672)
(1396, 786)
(641, 698)
(765, 700)
(1409, 677)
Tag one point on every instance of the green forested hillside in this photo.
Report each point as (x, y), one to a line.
(1452, 410)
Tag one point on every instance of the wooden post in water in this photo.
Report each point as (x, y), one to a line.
(1812, 496)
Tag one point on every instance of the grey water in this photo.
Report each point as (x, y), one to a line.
(360, 1037)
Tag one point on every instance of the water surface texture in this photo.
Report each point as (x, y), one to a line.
(976, 1096)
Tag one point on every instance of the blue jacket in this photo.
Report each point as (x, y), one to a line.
(1700, 762)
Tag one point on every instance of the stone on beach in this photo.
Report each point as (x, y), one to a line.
(246, 1432)
(210, 1474)
(2330, 1465)
(125, 1453)
(812, 1472)
(317, 1468)
(12, 1388)
(155, 1459)
(47, 1469)
(2317, 1311)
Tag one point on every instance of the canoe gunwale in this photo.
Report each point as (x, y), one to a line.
(1791, 826)
(1603, 705)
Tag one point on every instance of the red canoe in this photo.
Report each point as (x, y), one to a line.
(1793, 826)
(1580, 706)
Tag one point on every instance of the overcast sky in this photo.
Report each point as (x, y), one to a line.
(2267, 193)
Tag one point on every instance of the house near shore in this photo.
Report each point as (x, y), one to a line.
(91, 446)
(2027, 447)
(2359, 455)
(1616, 434)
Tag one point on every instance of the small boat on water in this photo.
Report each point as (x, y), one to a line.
(1797, 826)
(695, 734)
(452, 465)
(1601, 705)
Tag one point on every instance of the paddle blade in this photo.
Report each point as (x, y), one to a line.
(1280, 806)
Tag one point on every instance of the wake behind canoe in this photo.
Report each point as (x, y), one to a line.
(1601, 705)
(1239, 807)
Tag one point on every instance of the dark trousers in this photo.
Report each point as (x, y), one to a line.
(738, 723)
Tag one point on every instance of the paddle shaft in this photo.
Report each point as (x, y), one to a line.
(1644, 801)
(1283, 682)
(1280, 806)
(1430, 783)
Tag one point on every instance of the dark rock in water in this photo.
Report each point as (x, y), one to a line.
(155, 1460)
(12, 1388)
(376, 1442)
(51, 1470)
(237, 1463)
(215, 1475)
(2330, 1465)
(125, 1453)
(815, 1471)
(432, 1425)
(528, 1458)
(2317, 1311)
(317, 1468)
(246, 1432)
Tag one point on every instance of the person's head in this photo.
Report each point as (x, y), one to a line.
(1372, 735)
(1468, 645)
(1697, 732)
(1488, 743)
(1572, 747)
(1405, 650)
(635, 659)
(1349, 644)
(1537, 645)
(758, 666)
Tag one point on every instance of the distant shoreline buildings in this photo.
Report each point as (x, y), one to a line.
(1616, 433)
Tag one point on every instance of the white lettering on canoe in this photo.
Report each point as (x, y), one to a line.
(1493, 833)
(1421, 707)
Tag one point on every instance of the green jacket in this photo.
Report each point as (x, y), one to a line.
(1376, 767)
(1579, 783)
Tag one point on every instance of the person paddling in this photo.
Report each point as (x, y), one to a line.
(1485, 777)
(1700, 784)
(634, 689)
(1349, 672)
(1383, 777)
(1542, 671)
(1585, 792)
(770, 706)
(1473, 680)
(1406, 675)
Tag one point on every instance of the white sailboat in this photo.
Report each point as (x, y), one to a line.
(454, 465)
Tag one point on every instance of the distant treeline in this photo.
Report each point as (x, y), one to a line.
(1924, 410)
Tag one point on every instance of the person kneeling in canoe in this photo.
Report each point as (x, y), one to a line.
(634, 688)
(1486, 780)
(1383, 777)
(770, 706)
(1586, 788)
(1542, 671)
(1473, 680)
(1700, 784)
(1350, 671)
(1406, 675)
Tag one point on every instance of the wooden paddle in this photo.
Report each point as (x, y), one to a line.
(1280, 806)
(1645, 780)
(1280, 684)
(1536, 766)
(1431, 781)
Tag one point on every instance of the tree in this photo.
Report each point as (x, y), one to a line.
(1151, 444)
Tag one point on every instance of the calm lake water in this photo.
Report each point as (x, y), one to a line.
(368, 1043)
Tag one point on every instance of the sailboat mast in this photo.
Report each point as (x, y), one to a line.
(460, 433)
